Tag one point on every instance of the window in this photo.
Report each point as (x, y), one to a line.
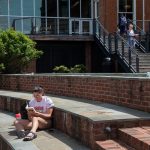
(3, 7)
(75, 8)
(52, 8)
(126, 7)
(40, 8)
(86, 8)
(4, 23)
(15, 7)
(28, 8)
(63, 8)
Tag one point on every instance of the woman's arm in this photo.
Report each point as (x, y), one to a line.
(46, 115)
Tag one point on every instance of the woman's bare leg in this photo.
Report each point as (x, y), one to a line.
(22, 125)
(40, 123)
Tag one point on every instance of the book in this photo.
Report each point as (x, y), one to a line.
(30, 109)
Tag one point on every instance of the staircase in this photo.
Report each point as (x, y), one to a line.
(136, 138)
(131, 59)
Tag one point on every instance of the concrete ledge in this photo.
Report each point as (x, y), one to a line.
(56, 139)
(82, 119)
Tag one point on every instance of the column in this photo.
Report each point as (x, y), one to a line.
(88, 56)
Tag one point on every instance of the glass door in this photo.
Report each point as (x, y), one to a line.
(75, 26)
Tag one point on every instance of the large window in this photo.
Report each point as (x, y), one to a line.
(126, 7)
(49, 16)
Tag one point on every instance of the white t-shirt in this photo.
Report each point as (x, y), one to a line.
(43, 105)
(131, 34)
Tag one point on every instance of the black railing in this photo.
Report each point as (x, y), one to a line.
(103, 36)
(113, 43)
(127, 54)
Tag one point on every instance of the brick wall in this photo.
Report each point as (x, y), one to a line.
(108, 14)
(129, 92)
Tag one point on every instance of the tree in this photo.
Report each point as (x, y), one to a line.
(16, 51)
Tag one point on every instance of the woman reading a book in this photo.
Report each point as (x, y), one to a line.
(39, 115)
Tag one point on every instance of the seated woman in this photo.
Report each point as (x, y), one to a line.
(39, 115)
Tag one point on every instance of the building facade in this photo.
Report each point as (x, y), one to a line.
(63, 29)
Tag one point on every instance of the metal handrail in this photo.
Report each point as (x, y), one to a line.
(101, 34)
(141, 34)
(131, 51)
(126, 43)
(99, 28)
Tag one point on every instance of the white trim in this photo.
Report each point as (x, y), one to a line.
(92, 6)
(117, 11)
(57, 16)
(134, 12)
(8, 14)
(95, 10)
(143, 15)
(80, 9)
(34, 8)
(22, 15)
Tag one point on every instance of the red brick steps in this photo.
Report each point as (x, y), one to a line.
(112, 145)
(138, 137)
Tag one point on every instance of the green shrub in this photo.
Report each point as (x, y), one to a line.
(2, 68)
(61, 69)
(16, 51)
(80, 68)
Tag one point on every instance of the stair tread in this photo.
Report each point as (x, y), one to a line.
(113, 145)
(139, 135)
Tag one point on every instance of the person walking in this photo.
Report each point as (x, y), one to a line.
(131, 36)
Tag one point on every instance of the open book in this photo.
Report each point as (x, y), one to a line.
(30, 109)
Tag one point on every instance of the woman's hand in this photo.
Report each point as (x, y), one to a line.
(32, 113)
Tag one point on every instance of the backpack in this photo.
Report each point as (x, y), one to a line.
(123, 21)
(23, 111)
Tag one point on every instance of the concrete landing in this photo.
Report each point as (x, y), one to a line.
(93, 111)
(46, 140)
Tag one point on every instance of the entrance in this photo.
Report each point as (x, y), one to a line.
(80, 26)
(75, 25)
